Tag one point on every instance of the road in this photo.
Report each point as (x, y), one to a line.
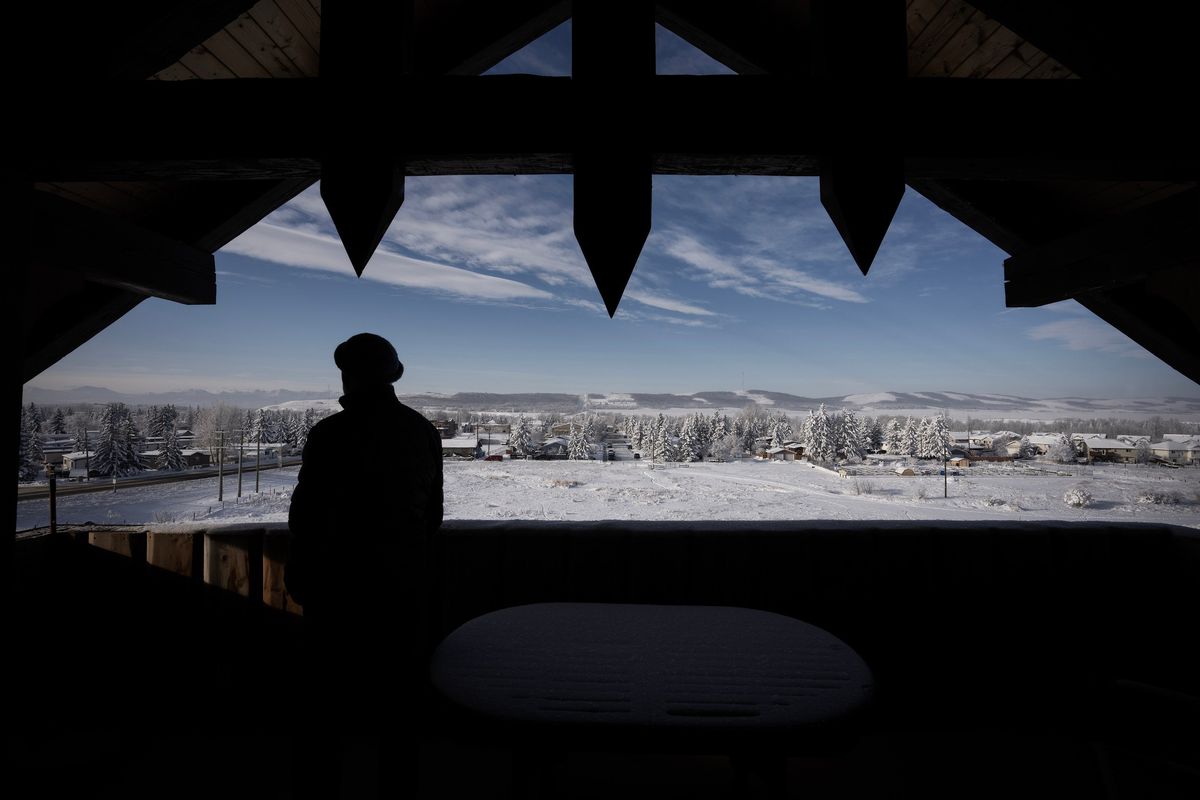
(41, 491)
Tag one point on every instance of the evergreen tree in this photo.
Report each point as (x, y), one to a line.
(821, 446)
(36, 420)
(578, 447)
(30, 460)
(59, 423)
(938, 437)
(777, 437)
(115, 446)
(660, 449)
(689, 447)
(521, 438)
(170, 456)
(310, 419)
(852, 436)
(908, 438)
(893, 438)
(131, 461)
(874, 436)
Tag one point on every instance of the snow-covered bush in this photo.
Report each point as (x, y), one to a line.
(1077, 497)
(862, 487)
(1155, 497)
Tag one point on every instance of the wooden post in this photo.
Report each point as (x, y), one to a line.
(173, 552)
(226, 565)
(53, 499)
(241, 444)
(220, 465)
(276, 548)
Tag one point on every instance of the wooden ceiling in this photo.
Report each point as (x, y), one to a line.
(1027, 167)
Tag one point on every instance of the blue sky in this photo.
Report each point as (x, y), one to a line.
(744, 282)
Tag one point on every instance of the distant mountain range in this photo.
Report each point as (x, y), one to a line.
(958, 404)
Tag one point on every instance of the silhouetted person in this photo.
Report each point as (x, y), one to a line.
(367, 499)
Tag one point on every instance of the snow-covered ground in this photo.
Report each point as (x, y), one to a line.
(747, 490)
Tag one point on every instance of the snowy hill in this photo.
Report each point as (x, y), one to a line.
(958, 404)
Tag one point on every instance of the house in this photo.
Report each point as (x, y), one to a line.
(960, 462)
(554, 447)
(446, 428)
(461, 447)
(905, 471)
(781, 454)
(76, 464)
(1187, 452)
(1105, 449)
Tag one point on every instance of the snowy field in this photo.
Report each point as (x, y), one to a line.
(747, 490)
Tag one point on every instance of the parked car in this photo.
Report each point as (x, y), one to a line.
(494, 458)
(637, 455)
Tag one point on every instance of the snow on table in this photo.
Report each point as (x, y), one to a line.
(639, 490)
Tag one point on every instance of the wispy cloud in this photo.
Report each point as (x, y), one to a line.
(315, 251)
(1088, 334)
(666, 303)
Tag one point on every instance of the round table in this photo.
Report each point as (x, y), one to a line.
(669, 674)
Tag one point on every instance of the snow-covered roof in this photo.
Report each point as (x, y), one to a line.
(1179, 437)
(461, 441)
(1175, 447)
(80, 454)
(1109, 444)
(1043, 438)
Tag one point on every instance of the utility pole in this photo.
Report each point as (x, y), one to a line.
(53, 499)
(86, 456)
(257, 459)
(220, 466)
(946, 461)
(241, 444)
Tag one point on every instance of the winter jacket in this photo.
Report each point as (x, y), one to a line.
(367, 499)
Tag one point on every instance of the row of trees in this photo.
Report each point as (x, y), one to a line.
(115, 438)
(826, 436)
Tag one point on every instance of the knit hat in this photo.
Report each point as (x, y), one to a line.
(369, 357)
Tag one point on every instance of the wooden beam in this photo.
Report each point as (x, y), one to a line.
(753, 37)
(469, 37)
(1107, 255)
(362, 184)
(1161, 312)
(613, 184)
(110, 251)
(70, 320)
(1107, 39)
(130, 40)
(698, 124)
(860, 50)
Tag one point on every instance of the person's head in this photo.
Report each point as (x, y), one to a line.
(366, 361)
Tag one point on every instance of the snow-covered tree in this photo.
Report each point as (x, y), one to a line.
(934, 436)
(689, 447)
(116, 443)
(36, 420)
(908, 437)
(578, 447)
(660, 449)
(1142, 452)
(851, 444)
(58, 424)
(821, 446)
(893, 437)
(30, 460)
(310, 419)
(521, 438)
(1062, 450)
(170, 455)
